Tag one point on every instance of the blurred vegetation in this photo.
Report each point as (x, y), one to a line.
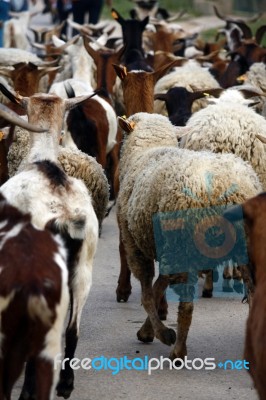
(209, 35)
(173, 6)
(123, 7)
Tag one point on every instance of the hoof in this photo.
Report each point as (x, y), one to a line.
(207, 293)
(144, 338)
(181, 355)
(64, 389)
(122, 296)
(162, 314)
(167, 336)
(25, 395)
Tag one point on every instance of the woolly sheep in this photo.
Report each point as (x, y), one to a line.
(157, 176)
(229, 127)
(74, 163)
(256, 77)
(192, 76)
(12, 56)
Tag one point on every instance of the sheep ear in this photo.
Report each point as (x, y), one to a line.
(160, 96)
(121, 71)
(163, 70)
(125, 125)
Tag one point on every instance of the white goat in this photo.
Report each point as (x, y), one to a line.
(59, 202)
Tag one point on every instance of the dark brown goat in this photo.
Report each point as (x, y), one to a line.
(254, 213)
(34, 298)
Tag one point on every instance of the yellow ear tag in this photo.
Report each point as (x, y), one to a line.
(114, 14)
(206, 94)
(1, 136)
(125, 125)
(242, 78)
(132, 124)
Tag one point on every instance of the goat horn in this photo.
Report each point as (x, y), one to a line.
(260, 33)
(14, 118)
(261, 138)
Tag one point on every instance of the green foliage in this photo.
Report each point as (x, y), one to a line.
(123, 7)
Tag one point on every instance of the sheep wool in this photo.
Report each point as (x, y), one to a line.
(229, 127)
(74, 162)
(157, 176)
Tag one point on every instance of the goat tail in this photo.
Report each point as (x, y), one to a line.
(72, 227)
(38, 308)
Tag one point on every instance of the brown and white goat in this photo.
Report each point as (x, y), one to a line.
(254, 214)
(34, 298)
(59, 202)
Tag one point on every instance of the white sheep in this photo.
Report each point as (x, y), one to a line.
(192, 76)
(12, 56)
(256, 77)
(229, 126)
(158, 177)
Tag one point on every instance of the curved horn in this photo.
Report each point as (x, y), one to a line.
(15, 98)
(260, 33)
(261, 138)
(15, 119)
(247, 32)
(218, 14)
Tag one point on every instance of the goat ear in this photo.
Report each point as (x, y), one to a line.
(93, 53)
(144, 22)
(125, 125)
(121, 71)
(75, 101)
(117, 16)
(163, 70)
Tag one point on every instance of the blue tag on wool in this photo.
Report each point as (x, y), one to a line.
(199, 239)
